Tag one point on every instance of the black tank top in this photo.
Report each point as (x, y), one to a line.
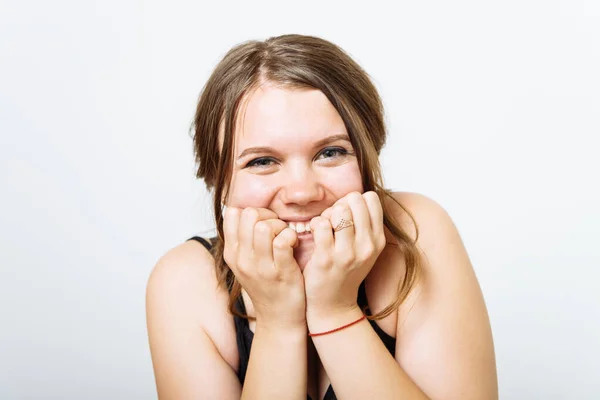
(244, 335)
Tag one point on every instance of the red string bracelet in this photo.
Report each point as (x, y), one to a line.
(338, 329)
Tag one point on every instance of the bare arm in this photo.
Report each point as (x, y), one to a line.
(278, 367)
(445, 342)
(444, 347)
(358, 364)
(181, 302)
(258, 249)
(185, 317)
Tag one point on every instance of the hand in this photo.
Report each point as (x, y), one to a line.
(341, 260)
(259, 250)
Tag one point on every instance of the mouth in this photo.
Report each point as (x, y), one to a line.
(302, 228)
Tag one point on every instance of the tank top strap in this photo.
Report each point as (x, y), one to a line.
(208, 244)
(388, 341)
(362, 297)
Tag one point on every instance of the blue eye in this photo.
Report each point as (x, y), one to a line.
(260, 162)
(332, 152)
(327, 153)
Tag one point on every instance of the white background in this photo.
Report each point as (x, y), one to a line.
(493, 111)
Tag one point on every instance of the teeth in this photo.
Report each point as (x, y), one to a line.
(299, 227)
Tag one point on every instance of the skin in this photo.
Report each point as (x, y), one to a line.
(294, 162)
(289, 181)
(444, 347)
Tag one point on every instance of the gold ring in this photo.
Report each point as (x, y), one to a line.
(344, 223)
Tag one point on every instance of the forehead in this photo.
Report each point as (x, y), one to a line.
(286, 118)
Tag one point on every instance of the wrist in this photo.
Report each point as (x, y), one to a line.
(282, 327)
(325, 320)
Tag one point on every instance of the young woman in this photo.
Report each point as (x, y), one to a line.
(287, 137)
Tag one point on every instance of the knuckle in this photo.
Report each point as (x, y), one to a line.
(316, 220)
(371, 195)
(281, 241)
(279, 226)
(339, 209)
(229, 254)
(262, 228)
(347, 258)
(354, 197)
(321, 223)
(249, 213)
(366, 253)
(231, 212)
(381, 244)
(371, 198)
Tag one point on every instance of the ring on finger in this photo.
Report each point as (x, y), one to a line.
(344, 223)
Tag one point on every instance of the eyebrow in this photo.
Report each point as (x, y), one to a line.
(322, 142)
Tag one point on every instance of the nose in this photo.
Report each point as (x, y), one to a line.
(302, 186)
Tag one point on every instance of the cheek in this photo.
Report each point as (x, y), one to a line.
(346, 179)
(250, 192)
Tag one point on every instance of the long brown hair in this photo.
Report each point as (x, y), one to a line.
(294, 61)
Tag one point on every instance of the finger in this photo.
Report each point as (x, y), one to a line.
(249, 217)
(283, 249)
(373, 203)
(245, 232)
(361, 216)
(322, 235)
(265, 213)
(343, 228)
(231, 220)
(327, 213)
(264, 233)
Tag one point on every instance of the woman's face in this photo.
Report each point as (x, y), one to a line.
(293, 156)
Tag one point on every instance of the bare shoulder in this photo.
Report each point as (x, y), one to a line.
(443, 254)
(188, 265)
(436, 234)
(187, 260)
(413, 213)
(444, 339)
(418, 217)
(416, 213)
(185, 279)
(191, 334)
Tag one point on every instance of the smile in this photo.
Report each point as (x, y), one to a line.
(300, 227)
